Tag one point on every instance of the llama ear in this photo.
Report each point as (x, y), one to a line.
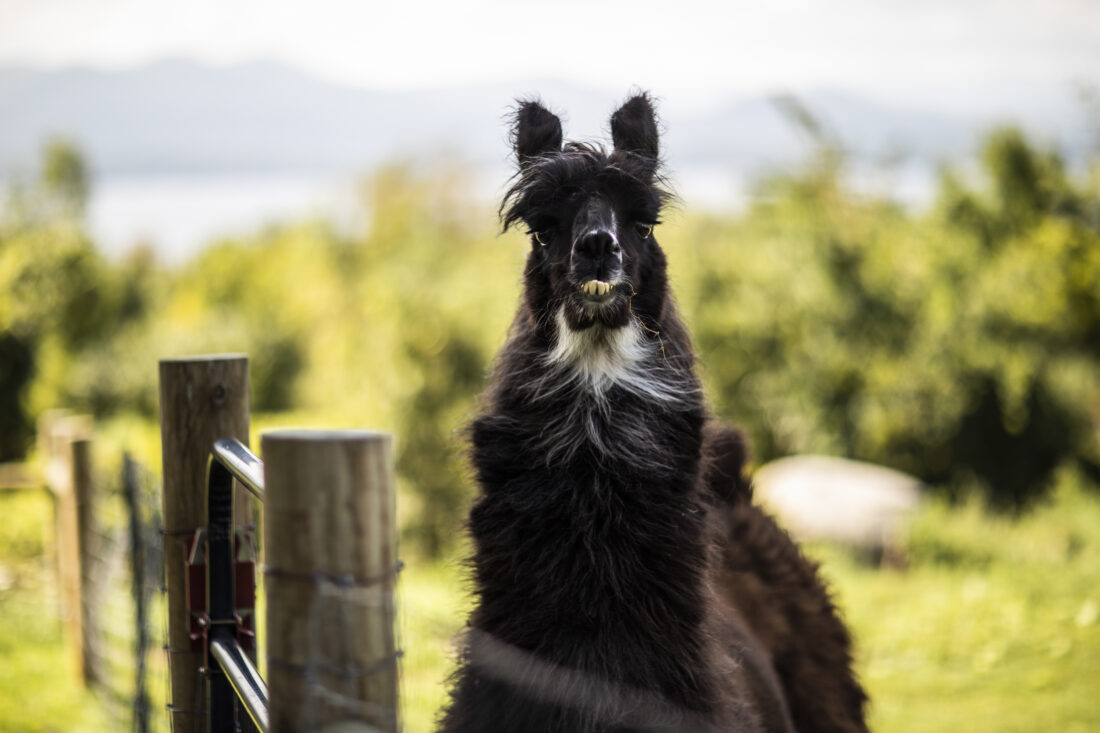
(536, 132)
(634, 127)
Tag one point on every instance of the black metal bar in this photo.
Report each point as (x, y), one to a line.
(219, 588)
(229, 459)
(242, 675)
(242, 463)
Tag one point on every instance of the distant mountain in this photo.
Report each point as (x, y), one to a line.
(181, 117)
(745, 133)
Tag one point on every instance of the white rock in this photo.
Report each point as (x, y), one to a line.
(819, 497)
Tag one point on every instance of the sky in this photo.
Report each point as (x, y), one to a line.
(978, 60)
(898, 50)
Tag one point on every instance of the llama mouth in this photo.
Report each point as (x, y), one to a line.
(599, 288)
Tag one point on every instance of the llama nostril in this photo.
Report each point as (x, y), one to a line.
(597, 245)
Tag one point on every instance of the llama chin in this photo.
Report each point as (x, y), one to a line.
(623, 579)
(600, 356)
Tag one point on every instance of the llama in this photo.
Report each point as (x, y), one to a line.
(623, 579)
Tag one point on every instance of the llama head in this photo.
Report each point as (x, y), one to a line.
(591, 215)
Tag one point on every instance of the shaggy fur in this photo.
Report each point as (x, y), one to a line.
(624, 581)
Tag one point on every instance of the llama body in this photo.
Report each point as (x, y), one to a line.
(607, 500)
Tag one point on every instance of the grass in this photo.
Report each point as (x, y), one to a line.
(432, 609)
(994, 625)
(38, 676)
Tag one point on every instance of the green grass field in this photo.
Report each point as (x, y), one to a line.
(994, 625)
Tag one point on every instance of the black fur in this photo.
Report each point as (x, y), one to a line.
(634, 129)
(537, 132)
(610, 511)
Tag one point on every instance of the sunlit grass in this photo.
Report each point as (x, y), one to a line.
(38, 674)
(432, 607)
(994, 625)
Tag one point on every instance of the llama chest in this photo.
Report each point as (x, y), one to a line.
(585, 530)
(590, 561)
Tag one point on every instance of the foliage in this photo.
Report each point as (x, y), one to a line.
(962, 345)
(64, 179)
(58, 298)
(959, 344)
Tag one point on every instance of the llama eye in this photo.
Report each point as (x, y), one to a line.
(542, 238)
(644, 230)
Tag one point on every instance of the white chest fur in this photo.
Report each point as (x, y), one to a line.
(599, 358)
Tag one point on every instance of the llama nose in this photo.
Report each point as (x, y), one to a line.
(598, 246)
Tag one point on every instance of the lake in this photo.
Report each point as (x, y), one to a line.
(178, 215)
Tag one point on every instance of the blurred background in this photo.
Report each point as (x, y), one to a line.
(887, 246)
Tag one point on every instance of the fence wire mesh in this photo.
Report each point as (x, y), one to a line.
(123, 572)
(124, 604)
(333, 681)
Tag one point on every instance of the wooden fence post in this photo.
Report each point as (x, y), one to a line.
(83, 500)
(201, 399)
(48, 423)
(331, 552)
(66, 440)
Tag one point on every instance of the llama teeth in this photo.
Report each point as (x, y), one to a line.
(596, 287)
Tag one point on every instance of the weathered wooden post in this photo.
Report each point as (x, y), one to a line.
(67, 443)
(51, 466)
(83, 500)
(201, 399)
(331, 553)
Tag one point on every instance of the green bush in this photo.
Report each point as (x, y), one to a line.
(962, 345)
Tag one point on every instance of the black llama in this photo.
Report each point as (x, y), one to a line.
(623, 579)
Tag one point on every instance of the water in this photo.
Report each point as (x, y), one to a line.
(178, 215)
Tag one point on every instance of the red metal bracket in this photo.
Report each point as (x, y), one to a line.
(244, 588)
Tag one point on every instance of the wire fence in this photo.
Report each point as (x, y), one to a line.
(338, 658)
(123, 575)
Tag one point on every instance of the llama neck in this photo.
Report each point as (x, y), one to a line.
(590, 537)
